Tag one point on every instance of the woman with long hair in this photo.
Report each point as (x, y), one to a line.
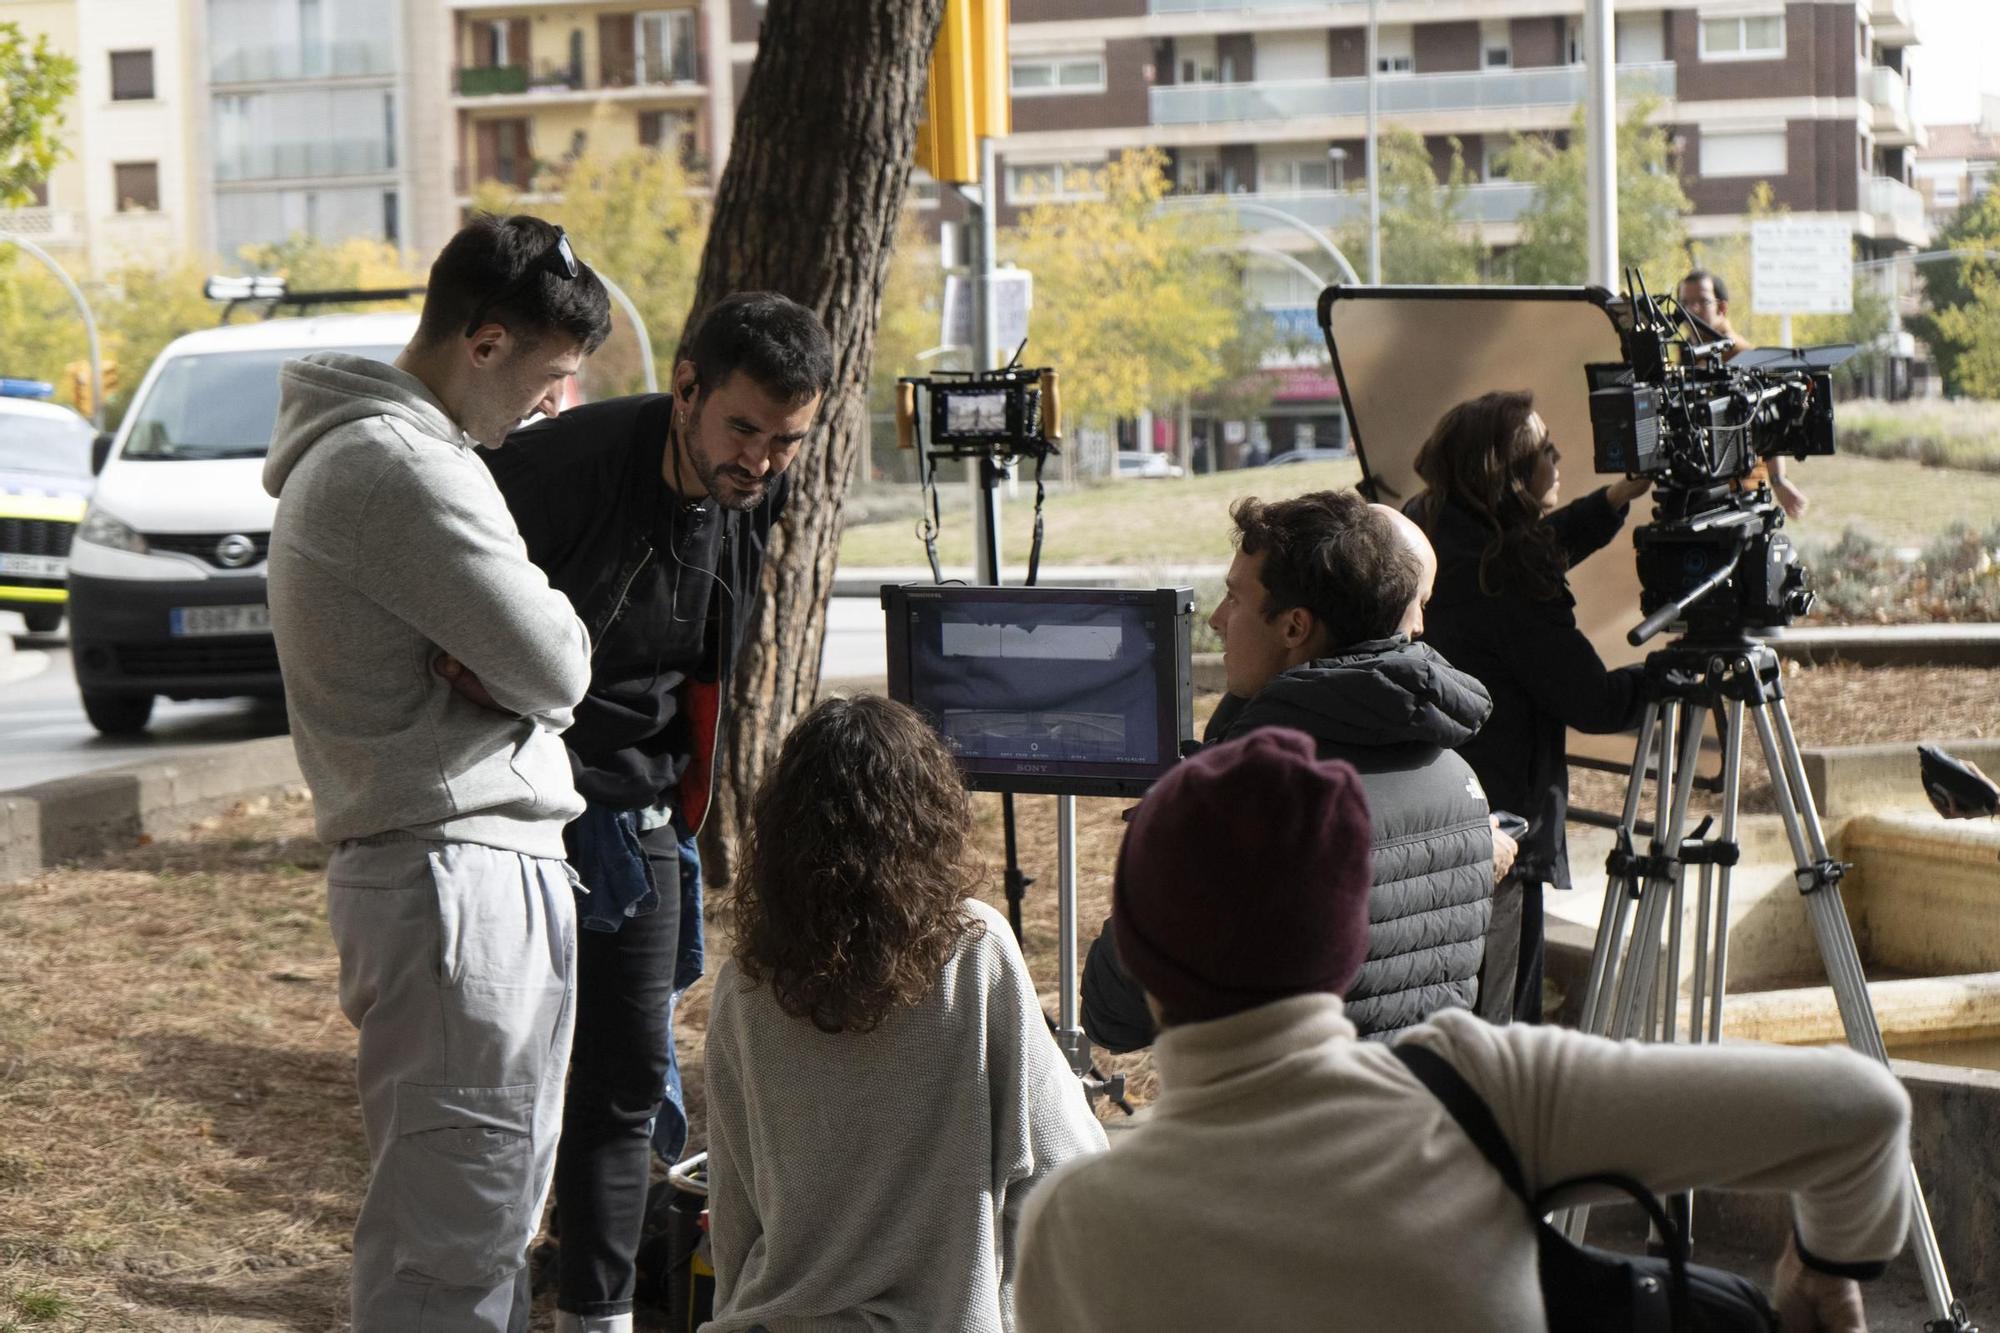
(1502, 611)
(883, 1090)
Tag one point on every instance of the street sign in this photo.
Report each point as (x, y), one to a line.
(1013, 298)
(1801, 266)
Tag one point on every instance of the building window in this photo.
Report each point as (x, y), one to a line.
(1290, 173)
(666, 46)
(1573, 41)
(671, 132)
(1743, 153)
(391, 229)
(137, 186)
(1496, 45)
(1053, 182)
(131, 76)
(1755, 37)
(501, 150)
(1395, 50)
(1056, 76)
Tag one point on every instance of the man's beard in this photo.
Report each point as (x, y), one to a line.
(732, 487)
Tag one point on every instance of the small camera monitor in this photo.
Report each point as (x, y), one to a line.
(1068, 691)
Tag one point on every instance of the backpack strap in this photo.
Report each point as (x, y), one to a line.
(1468, 1109)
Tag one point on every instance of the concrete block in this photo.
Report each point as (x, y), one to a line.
(1855, 779)
(69, 818)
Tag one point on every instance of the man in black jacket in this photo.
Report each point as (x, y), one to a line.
(652, 513)
(1315, 621)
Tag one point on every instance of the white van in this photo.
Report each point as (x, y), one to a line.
(167, 572)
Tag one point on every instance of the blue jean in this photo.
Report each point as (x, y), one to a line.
(624, 1083)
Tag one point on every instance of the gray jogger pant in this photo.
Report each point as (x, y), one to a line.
(457, 967)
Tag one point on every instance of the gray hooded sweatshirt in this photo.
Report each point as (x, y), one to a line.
(392, 545)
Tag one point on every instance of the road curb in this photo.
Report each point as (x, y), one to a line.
(49, 823)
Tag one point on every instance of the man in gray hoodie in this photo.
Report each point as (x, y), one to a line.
(430, 671)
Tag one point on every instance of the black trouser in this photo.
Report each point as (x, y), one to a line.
(1510, 974)
(617, 1075)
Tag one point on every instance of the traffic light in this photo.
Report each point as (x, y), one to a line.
(967, 96)
(76, 378)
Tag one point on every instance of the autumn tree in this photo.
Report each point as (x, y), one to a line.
(1135, 304)
(1953, 293)
(808, 205)
(35, 81)
(1424, 237)
(1652, 206)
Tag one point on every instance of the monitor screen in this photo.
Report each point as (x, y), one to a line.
(1047, 689)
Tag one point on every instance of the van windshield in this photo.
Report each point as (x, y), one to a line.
(218, 404)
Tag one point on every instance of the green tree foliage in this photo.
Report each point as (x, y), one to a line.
(1954, 294)
(634, 219)
(35, 81)
(1423, 236)
(1136, 305)
(1555, 229)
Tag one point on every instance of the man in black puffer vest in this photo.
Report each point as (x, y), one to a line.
(1321, 599)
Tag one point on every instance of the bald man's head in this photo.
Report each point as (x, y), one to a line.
(1419, 545)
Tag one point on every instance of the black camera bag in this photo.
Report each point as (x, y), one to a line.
(1600, 1290)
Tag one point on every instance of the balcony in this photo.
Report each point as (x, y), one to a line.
(54, 227)
(1302, 99)
(644, 76)
(1893, 22)
(292, 62)
(1898, 211)
(1894, 117)
(306, 159)
(1494, 202)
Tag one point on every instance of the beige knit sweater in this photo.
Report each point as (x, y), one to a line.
(875, 1180)
(1292, 1177)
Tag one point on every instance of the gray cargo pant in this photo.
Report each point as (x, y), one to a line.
(457, 967)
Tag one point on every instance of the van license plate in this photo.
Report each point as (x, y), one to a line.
(33, 566)
(195, 621)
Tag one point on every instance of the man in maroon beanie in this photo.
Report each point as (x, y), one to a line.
(1293, 1176)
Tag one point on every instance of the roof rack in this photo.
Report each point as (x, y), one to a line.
(273, 293)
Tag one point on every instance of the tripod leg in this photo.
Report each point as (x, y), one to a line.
(1676, 786)
(1732, 790)
(1835, 938)
(1069, 1032)
(1619, 887)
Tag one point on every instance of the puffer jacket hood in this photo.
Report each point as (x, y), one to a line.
(324, 391)
(1387, 692)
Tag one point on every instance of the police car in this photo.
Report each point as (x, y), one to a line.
(44, 484)
(167, 575)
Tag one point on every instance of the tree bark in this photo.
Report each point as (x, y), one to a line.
(808, 206)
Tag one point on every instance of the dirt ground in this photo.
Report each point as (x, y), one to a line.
(182, 1150)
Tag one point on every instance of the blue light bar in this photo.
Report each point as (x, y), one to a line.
(26, 389)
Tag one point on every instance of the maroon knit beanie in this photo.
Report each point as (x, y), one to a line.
(1244, 878)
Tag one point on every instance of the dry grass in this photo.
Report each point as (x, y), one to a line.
(182, 1147)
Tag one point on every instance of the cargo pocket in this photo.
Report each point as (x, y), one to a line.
(463, 1164)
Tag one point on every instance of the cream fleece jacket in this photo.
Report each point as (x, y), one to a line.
(1291, 1176)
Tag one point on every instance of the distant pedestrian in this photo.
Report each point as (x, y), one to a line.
(1704, 295)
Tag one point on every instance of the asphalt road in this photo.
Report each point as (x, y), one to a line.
(44, 734)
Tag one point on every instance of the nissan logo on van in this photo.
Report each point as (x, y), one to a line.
(235, 551)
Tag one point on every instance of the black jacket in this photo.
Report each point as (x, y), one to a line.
(664, 586)
(1540, 669)
(1394, 710)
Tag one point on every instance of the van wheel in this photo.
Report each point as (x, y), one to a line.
(118, 714)
(43, 619)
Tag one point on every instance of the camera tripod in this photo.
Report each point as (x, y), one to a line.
(1635, 993)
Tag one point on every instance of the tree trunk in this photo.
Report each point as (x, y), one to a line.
(808, 206)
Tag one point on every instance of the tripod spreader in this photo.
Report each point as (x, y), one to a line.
(1821, 875)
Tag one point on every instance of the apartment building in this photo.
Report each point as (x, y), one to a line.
(535, 85)
(316, 116)
(127, 192)
(1960, 162)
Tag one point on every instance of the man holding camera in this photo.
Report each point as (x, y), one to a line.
(1320, 601)
(652, 514)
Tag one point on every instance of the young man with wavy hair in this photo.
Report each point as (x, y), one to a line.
(883, 1091)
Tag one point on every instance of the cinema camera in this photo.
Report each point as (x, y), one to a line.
(1698, 424)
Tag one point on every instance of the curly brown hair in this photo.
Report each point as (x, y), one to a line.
(856, 866)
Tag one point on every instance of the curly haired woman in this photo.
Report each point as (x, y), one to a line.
(882, 1087)
(1502, 611)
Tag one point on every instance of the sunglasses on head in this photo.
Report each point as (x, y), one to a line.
(558, 259)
